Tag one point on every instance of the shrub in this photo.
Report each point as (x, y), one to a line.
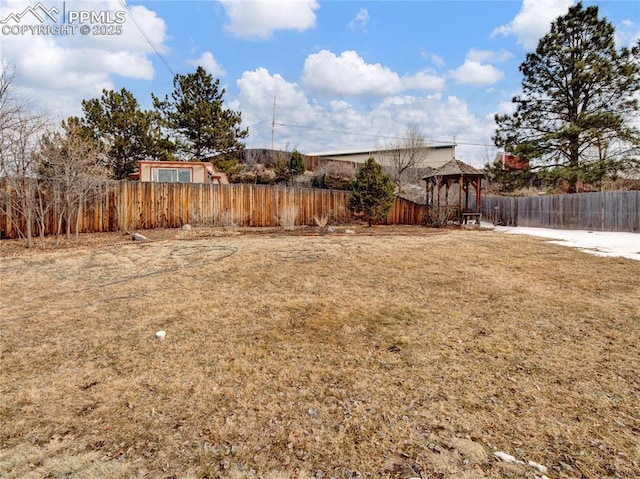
(297, 165)
(321, 221)
(282, 168)
(372, 193)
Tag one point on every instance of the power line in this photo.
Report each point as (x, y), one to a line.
(372, 135)
(146, 37)
(261, 125)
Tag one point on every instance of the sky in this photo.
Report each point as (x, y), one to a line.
(310, 75)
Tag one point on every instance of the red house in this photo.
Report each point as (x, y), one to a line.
(511, 162)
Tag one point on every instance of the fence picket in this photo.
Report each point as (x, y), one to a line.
(603, 211)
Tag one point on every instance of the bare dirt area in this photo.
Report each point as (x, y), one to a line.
(390, 352)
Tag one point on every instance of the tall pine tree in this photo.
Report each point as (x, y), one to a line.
(575, 116)
(126, 133)
(202, 127)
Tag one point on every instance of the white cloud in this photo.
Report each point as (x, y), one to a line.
(260, 18)
(348, 74)
(477, 74)
(303, 123)
(434, 58)
(58, 72)
(627, 34)
(257, 91)
(209, 63)
(506, 108)
(437, 60)
(360, 21)
(488, 55)
(153, 26)
(424, 81)
(259, 88)
(534, 21)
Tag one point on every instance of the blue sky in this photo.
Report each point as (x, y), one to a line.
(345, 74)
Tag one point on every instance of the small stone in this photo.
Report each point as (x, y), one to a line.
(186, 227)
(349, 232)
(539, 467)
(330, 229)
(161, 334)
(139, 237)
(504, 456)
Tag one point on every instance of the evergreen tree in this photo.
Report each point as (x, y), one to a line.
(510, 180)
(297, 165)
(281, 168)
(201, 126)
(575, 114)
(372, 193)
(125, 133)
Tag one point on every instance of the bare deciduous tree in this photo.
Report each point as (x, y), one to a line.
(8, 105)
(41, 169)
(407, 157)
(73, 166)
(439, 212)
(19, 130)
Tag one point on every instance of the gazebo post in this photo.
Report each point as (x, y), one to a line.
(446, 198)
(466, 194)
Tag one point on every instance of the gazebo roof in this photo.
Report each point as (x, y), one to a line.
(454, 168)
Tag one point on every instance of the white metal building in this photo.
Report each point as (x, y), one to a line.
(435, 155)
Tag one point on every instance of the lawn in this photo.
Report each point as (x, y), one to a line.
(392, 352)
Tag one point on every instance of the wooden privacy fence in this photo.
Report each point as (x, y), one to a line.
(603, 211)
(169, 205)
(129, 205)
(406, 212)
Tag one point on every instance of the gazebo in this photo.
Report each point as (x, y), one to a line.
(454, 175)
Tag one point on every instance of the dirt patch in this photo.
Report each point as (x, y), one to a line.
(86, 241)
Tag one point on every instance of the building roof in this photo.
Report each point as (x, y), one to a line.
(370, 151)
(454, 168)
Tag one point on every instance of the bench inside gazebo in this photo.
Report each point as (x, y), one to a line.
(453, 205)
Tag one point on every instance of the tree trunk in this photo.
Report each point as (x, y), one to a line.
(27, 211)
(78, 221)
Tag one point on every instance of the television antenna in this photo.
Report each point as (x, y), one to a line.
(273, 121)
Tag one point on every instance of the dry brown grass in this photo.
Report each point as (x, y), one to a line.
(389, 353)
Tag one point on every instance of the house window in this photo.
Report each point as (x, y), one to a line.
(172, 175)
(184, 176)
